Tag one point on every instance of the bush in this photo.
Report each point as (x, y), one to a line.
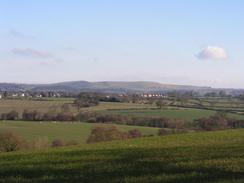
(58, 143)
(12, 115)
(211, 123)
(49, 116)
(163, 132)
(134, 133)
(10, 141)
(32, 116)
(64, 116)
(100, 133)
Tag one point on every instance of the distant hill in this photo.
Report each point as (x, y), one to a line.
(105, 86)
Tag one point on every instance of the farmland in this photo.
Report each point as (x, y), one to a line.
(40, 105)
(45, 105)
(66, 131)
(187, 112)
(207, 157)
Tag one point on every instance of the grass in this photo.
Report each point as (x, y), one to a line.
(39, 105)
(174, 113)
(206, 157)
(44, 105)
(187, 114)
(67, 131)
(130, 109)
(119, 106)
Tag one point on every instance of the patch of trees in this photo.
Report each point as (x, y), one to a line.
(86, 100)
(12, 115)
(132, 120)
(161, 103)
(101, 134)
(217, 122)
(10, 141)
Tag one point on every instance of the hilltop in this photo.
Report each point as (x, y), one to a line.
(103, 86)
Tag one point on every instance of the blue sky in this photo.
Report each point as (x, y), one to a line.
(169, 41)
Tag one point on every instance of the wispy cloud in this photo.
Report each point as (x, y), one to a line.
(29, 52)
(18, 34)
(212, 53)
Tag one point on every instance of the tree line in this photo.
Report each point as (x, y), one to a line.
(219, 121)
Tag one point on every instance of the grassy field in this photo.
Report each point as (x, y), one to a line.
(187, 114)
(131, 109)
(206, 157)
(118, 106)
(61, 130)
(39, 105)
(44, 105)
(173, 113)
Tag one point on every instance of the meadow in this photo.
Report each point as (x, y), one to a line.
(78, 131)
(204, 157)
(44, 105)
(187, 114)
(20, 105)
(117, 108)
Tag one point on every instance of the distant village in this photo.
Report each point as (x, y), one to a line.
(50, 94)
(31, 94)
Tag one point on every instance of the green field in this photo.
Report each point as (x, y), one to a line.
(187, 114)
(39, 105)
(61, 130)
(45, 105)
(130, 109)
(173, 113)
(206, 157)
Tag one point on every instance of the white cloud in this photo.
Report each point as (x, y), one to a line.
(28, 52)
(212, 53)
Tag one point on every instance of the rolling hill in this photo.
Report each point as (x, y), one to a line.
(105, 86)
(205, 157)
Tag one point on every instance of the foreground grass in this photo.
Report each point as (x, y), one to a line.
(67, 131)
(208, 157)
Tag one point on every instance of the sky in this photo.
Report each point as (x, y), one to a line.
(169, 41)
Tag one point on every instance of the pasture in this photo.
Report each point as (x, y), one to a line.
(39, 105)
(44, 105)
(187, 114)
(116, 108)
(206, 157)
(60, 130)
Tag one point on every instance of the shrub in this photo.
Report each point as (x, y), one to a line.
(100, 133)
(64, 116)
(163, 132)
(58, 143)
(32, 116)
(12, 115)
(211, 123)
(49, 116)
(10, 141)
(134, 133)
